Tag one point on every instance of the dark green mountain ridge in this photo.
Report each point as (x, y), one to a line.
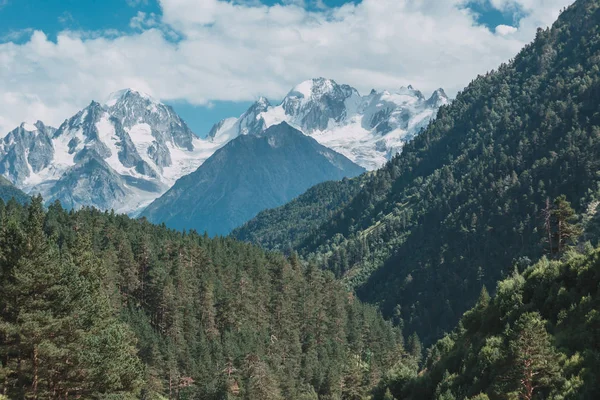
(544, 321)
(463, 200)
(9, 191)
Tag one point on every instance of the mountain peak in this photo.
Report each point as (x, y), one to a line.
(440, 92)
(115, 97)
(95, 105)
(438, 98)
(313, 87)
(263, 101)
(282, 126)
(411, 91)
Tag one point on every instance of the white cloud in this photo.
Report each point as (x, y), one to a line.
(505, 30)
(237, 51)
(144, 21)
(534, 13)
(13, 36)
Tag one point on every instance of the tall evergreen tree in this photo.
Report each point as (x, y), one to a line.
(534, 362)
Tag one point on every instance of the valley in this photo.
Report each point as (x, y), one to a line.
(332, 246)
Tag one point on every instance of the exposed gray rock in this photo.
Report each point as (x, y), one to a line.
(26, 149)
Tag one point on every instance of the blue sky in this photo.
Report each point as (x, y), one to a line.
(112, 20)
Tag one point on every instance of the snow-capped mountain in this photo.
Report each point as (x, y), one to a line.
(129, 150)
(121, 155)
(368, 130)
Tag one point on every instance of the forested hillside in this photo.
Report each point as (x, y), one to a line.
(97, 305)
(463, 202)
(538, 338)
(9, 191)
(285, 227)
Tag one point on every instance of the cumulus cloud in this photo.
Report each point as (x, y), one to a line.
(208, 50)
(505, 30)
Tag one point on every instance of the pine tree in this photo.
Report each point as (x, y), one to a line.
(60, 339)
(388, 395)
(534, 362)
(414, 347)
(560, 225)
(261, 385)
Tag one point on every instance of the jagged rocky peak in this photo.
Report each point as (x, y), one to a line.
(314, 102)
(249, 123)
(411, 91)
(26, 149)
(139, 111)
(438, 99)
(95, 130)
(37, 126)
(128, 95)
(317, 90)
(130, 147)
(262, 103)
(369, 129)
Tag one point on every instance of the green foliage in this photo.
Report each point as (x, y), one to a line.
(536, 339)
(480, 396)
(8, 192)
(59, 337)
(286, 227)
(561, 227)
(97, 305)
(464, 199)
(533, 359)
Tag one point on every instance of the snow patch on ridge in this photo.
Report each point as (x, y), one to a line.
(28, 126)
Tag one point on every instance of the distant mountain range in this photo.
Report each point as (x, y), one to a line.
(121, 154)
(369, 130)
(128, 151)
(249, 174)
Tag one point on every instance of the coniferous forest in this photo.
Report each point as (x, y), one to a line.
(468, 267)
(97, 305)
(464, 201)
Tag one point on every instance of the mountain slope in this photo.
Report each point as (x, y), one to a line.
(249, 174)
(547, 317)
(146, 146)
(463, 200)
(368, 130)
(9, 191)
(285, 227)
